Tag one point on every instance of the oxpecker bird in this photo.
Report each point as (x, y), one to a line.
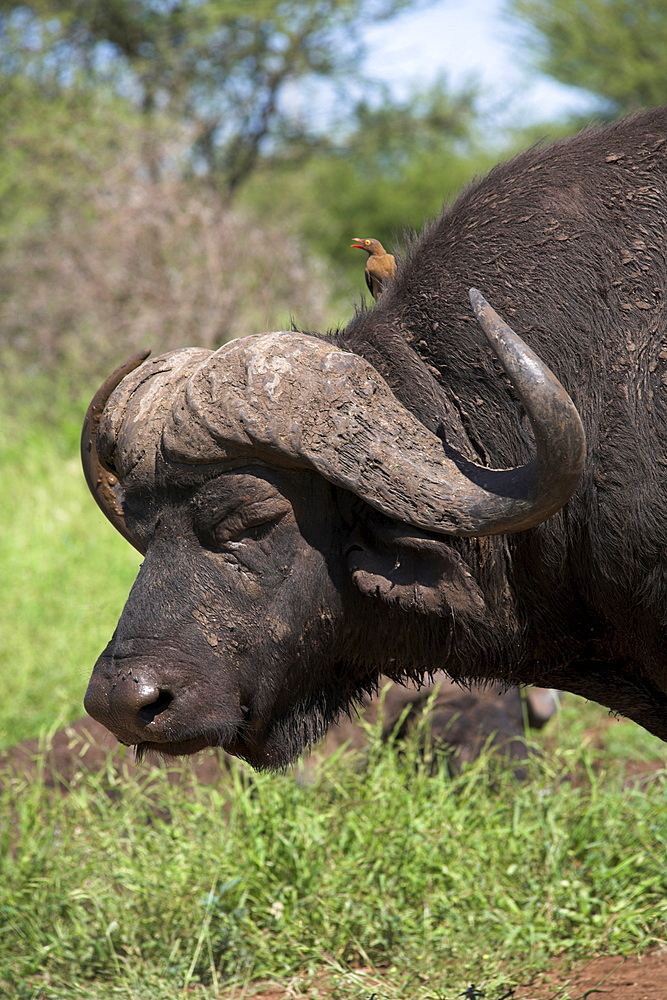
(380, 266)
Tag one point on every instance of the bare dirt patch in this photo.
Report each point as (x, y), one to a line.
(612, 977)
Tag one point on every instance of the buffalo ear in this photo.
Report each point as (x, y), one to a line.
(405, 566)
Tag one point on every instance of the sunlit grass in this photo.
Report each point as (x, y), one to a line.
(425, 881)
(65, 576)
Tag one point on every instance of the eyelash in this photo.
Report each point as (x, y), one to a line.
(254, 532)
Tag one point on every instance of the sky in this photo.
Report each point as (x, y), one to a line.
(464, 37)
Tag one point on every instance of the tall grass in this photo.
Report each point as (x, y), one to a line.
(425, 882)
(64, 571)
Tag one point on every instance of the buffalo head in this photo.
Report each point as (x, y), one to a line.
(294, 518)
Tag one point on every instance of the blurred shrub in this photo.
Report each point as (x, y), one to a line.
(140, 262)
(387, 169)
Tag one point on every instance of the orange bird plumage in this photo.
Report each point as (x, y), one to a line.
(380, 266)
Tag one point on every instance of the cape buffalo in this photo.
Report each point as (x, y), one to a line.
(398, 496)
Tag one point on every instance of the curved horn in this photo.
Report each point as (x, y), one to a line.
(102, 480)
(302, 399)
(547, 482)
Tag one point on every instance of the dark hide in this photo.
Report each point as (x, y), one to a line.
(569, 243)
(269, 598)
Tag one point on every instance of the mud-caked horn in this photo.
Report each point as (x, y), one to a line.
(307, 401)
(102, 480)
(293, 399)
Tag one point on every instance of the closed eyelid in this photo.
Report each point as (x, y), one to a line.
(256, 513)
(250, 516)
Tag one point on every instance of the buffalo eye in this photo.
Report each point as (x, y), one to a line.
(250, 522)
(223, 533)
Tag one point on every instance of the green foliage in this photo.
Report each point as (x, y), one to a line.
(426, 881)
(101, 258)
(53, 144)
(65, 572)
(390, 172)
(110, 241)
(617, 49)
(116, 118)
(221, 67)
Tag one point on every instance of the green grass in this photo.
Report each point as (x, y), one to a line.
(432, 882)
(65, 576)
(427, 883)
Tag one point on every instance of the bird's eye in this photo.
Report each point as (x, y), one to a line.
(367, 242)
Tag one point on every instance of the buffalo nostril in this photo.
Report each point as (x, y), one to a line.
(148, 713)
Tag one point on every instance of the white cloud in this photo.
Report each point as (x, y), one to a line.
(461, 38)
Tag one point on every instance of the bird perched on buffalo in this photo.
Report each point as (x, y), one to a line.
(380, 266)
